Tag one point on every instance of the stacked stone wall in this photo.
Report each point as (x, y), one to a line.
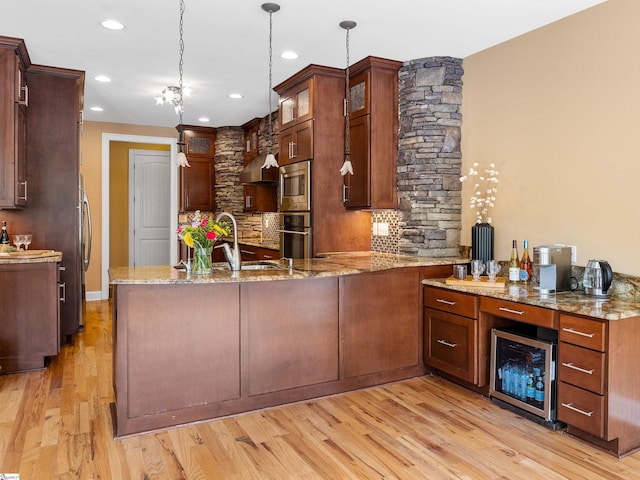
(429, 156)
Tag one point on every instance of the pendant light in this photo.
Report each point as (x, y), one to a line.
(270, 160)
(346, 166)
(181, 161)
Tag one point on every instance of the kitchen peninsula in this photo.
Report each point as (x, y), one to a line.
(190, 348)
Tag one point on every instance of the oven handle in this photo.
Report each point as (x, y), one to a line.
(295, 233)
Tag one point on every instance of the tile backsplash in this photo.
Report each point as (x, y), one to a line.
(385, 231)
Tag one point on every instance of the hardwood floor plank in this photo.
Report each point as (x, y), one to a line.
(55, 424)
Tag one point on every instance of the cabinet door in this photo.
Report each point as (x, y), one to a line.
(199, 144)
(357, 186)
(29, 330)
(450, 344)
(380, 314)
(198, 185)
(359, 95)
(296, 104)
(260, 198)
(296, 143)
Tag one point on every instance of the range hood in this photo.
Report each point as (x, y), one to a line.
(255, 174)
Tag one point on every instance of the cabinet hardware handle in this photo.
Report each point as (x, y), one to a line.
(344, 193)
(25, 191)
(447, 344)
(63, 291)
(268, 256)
(24, 102)
(446, 302)
(509, 310)
(583, 370)
(248, 252)
(571, 407)
(291, 231)
(577, 332)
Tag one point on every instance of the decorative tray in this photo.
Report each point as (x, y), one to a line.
(484, 282)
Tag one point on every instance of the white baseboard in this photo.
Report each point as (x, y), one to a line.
(93, 296)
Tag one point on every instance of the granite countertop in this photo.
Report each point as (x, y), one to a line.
(575, 302)
(30, 256)
(331, 264)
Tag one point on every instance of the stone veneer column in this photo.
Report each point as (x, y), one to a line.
(429, 156)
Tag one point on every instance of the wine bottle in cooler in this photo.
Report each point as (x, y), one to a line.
(526, 268)
(514, 264)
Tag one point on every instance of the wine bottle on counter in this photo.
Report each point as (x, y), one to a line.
(4, 237)
(514, 264)
(526, 268)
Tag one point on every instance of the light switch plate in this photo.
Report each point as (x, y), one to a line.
(383, 229)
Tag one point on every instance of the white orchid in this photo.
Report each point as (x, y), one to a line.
(484, 191)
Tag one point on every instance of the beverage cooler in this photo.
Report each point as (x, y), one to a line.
(523, 370)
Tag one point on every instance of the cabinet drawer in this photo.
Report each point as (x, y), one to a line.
(581, 409)
(542, 317)
(450, 344)
(452, 302)
(583, 332)
(581, 367)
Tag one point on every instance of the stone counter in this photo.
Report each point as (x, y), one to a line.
(30, 256)
(332, 264)
(574, 302)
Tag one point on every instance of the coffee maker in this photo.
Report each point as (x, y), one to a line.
(552, 268)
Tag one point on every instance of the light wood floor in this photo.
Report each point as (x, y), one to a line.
(56, 424)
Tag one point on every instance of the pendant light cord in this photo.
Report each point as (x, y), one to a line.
(180, 70)
(270, 142)
(347, 106)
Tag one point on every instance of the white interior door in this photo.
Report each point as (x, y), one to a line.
(149, 207)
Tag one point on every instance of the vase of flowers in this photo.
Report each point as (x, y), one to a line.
(201, 235)
(482, 199)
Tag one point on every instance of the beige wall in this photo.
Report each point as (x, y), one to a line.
(557, 111)
(91, 167)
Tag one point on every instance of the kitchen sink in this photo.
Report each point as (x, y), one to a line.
(261, 266)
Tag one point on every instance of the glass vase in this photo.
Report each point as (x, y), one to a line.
(202, 260)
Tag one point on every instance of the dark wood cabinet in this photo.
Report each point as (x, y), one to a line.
(198, 181)
(312, 128)
(14, 99)
(451, 333)
(257, 198)
(251, 252)
(373, 133)
(296, 143)
(30, 329)
(380, 314)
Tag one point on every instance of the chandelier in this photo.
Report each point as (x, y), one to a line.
(171, 96)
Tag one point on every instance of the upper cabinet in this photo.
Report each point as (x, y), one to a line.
(296, 104)
(257, 198)
(373, 134)
(197, 182)
(14, 99)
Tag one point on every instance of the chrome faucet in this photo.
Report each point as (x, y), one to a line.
(232, 254)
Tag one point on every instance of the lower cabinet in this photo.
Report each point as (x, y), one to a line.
(30, 313)
(451, 333)
(380, 315)
(251, 252)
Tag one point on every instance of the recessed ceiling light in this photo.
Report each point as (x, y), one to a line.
(289, 55)
(96, 109)
(203, 119)
(235, 95)
(112, 24)
(102, 78)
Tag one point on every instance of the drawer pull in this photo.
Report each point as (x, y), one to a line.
(446, 302)
(577, 332)
(583, 370)
(447, 344)
(508, 310)
(571, 407)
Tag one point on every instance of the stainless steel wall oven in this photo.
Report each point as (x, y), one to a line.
(295, 234)
(295, 187)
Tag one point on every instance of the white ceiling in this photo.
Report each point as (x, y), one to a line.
(226, 44)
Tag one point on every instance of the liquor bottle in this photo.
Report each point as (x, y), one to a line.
(514, 264)
(4, 238)
(526, 268)
(539, 393)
